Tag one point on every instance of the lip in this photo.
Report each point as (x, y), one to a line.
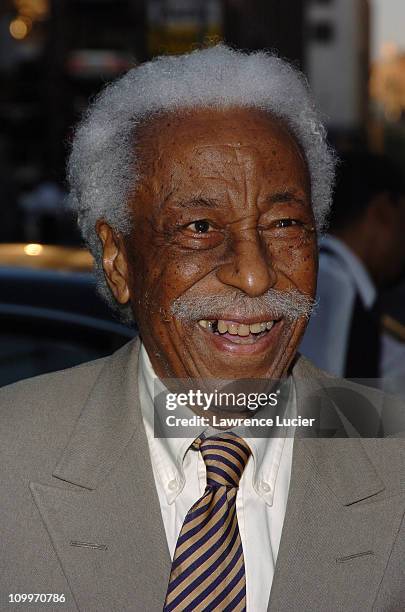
(245, 320)
(261, 346)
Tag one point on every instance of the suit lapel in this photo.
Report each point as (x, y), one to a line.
(104, 520)
(341, 520)
(103, 513)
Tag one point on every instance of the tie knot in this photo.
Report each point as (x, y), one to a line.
(225, 457)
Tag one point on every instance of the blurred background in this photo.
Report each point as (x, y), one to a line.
(56, 54)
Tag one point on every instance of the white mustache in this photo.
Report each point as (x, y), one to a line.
(273, 304)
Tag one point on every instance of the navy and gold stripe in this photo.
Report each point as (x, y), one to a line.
(208, 570)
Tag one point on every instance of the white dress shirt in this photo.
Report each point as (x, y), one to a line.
(180, 478)
(341, 277)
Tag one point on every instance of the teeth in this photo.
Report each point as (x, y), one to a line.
(243, 330)
(256, 328)
(222, 327)
(233, 329)
(236, 329)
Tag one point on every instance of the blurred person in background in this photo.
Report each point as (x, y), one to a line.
(363, 254)
(393, 340)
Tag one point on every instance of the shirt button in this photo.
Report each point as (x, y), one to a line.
(265, 487)
(173, 485)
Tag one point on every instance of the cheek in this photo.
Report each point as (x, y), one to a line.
(298, 263)
(159, 280)
(183, 272)
(307, 269)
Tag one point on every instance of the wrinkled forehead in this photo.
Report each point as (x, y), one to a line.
(217, 140)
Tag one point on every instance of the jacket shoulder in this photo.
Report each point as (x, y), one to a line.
(46, 387)
(40, 412)
(370, 410)
(304, 369)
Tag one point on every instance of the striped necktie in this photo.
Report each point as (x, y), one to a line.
(208, 570)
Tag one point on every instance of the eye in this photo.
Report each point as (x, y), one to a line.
(201, 226)
(287, 223)
(200, 234)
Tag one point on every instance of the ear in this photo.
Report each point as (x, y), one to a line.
(114, 261)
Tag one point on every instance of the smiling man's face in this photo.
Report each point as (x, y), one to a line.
(222, 215)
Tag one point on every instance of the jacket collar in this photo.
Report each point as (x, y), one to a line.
(350, 475)
(111, 416)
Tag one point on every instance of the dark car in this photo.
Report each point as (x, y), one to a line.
(52, 317)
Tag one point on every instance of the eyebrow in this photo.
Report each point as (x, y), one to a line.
(198, 203)
(274, 198)
(285, 196)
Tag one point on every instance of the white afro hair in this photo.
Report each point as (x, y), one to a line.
(102, 168)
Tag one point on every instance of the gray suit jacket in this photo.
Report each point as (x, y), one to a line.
(80, 513)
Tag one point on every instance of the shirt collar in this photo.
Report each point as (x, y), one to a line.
(167, 454)
(358, 271)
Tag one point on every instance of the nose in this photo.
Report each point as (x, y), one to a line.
(250, 269)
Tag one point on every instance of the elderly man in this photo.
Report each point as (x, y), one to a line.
(200, 183)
